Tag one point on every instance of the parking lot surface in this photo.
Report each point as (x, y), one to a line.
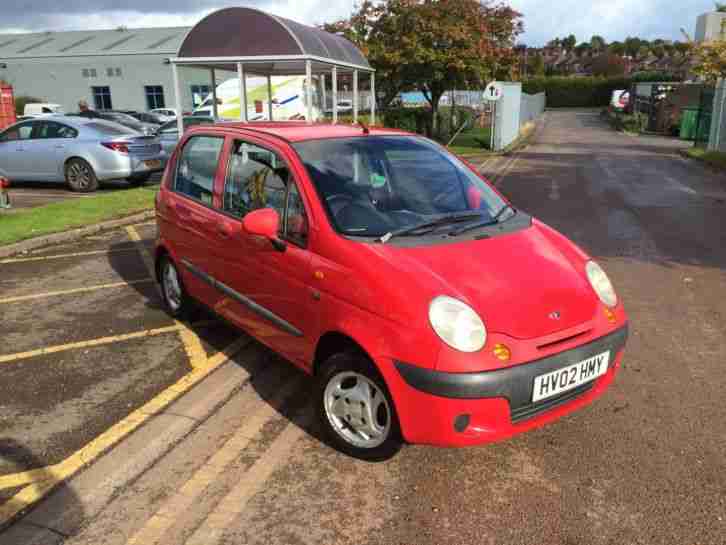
(238, 460)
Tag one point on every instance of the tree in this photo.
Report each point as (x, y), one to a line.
(721, 8)
(710, 60)
(570, 42)
(536, 66)
(436, 45)
(617, 48)
(632, 45)
(598, 43)
(608, 65)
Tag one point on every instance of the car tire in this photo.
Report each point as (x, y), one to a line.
(355, 409)
(139, 179)
(80, 176)
(176, 301)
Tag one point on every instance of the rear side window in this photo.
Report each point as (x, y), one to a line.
(197, 168)
(50, 129)
(19, 132)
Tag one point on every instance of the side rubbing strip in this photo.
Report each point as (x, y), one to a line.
(287, 327)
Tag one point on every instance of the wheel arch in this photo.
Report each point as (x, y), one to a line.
(334, 342)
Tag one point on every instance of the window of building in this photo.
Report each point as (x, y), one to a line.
(197, 168)
(154, 97)
(85, 73)
(199, 93)
(118, 73)
(102, 98)
(93, 72)
(109, 72)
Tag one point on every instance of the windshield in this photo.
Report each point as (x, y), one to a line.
(376, 185)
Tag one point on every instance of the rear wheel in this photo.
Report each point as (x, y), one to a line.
(139, 179)
(80, 176)
(176, 300)
(355, 408)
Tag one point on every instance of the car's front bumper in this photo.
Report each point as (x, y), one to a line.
(433, 406)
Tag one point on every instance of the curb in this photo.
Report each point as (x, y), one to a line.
(74, 234)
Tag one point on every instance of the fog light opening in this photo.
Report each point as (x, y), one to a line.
(461, 422)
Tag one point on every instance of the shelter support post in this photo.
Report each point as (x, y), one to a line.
(325, 94)
(177, 95)
(355, 96)
(334, 76)
(242, 92)
(309, 90)
(373, 98)
(215, 111)
(269, 97)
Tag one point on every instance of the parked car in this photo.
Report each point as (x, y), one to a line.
(169, 132)
(120, 118)
(168, 114)
(428, 308)
(146, 117)
(80, 151)
(41, 109)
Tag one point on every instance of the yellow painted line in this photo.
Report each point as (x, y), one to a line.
(75, 290)
(64, 256)
(14, 480)
(192, 346)
(233, 504)
(95, 448)
(152, 532)
(8, 358)
(144, 224)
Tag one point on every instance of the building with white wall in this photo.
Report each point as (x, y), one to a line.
(711, 26)
(124, 69)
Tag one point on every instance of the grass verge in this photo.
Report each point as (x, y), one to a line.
(471, 142)
(21, 224)
(715, 159)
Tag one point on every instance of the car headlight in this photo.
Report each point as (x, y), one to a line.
(601, 284)
(457, 324)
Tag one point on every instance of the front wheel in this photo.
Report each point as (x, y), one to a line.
(355, 409)
(80, 176)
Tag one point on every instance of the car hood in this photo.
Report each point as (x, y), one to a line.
(526, 284)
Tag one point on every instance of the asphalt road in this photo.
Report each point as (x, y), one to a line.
(238, 461)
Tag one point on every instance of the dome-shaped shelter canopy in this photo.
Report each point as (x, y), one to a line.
(250, 41)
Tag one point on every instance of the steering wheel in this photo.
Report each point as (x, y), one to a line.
(337, 201)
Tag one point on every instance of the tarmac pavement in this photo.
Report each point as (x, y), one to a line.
(235, 458)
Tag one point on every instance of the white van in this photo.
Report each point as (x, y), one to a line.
(40, 109)
(288, 99)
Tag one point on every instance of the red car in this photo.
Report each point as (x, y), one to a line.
(429, 309)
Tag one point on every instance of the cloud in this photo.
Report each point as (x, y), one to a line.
(543, 19)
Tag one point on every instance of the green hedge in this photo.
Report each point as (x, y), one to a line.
(563, 92)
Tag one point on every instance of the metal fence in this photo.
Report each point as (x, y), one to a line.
(532, 106)
(705, 114)
(717, 140)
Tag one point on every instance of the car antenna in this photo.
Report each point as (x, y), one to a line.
(363, 126)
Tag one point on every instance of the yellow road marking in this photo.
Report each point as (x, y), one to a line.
(19, 479)
(153, 531)
(233, 504)
(7, 358)
(63, 256)
(75, 290)
(96, 447)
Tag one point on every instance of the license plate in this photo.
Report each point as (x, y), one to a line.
(153, 163)
(572, 376)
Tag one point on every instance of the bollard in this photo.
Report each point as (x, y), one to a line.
(4, 193)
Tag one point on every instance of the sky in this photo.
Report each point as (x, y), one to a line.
(543, 19)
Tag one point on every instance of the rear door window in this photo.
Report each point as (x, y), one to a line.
(18, 132)
(197, 168)
(51, 129)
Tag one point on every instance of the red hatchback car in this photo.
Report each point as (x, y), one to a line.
(429, 309)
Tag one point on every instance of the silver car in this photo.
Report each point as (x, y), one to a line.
(81, 152)
(169, 132)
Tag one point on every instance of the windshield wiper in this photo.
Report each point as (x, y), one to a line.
(429, 225)
(486, 223)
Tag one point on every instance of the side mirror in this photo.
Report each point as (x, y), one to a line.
(264, 222)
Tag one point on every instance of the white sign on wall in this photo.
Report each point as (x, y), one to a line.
(493, 92)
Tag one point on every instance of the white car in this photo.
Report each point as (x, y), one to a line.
(41, 109)
(165, 114)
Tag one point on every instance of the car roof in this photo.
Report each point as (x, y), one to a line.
(300, 131)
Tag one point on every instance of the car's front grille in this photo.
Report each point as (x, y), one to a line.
(533, 409)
